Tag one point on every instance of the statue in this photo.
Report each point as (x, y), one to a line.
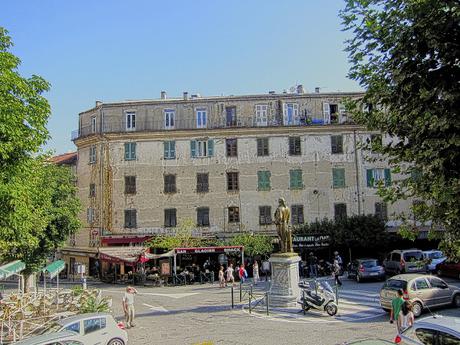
(282, 218)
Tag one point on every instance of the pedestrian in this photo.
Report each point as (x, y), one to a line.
(128, 306)
(312, 264)
(242, 274)
(221, 277)
(339, 260)
(336, 273)
(255, 272)
(396, 305)
(406, 316)
(230, 277)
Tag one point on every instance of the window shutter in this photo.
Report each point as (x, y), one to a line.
(126, 151)
(210, 147)
(166, 149)
(387, 177)
(172, 149)
(326, 113)
(193, 148)
(335, 178)
(334, 144)
(370, 177)
(133, 150)
(340, 144)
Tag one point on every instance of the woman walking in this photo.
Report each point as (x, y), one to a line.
(255, 272)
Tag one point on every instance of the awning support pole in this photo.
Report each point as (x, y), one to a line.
(175, 262)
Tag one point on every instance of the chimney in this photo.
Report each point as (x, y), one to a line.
(316, 89)
(185, 95)
(300, 89)
(271, 92)
(163, 95)
(98, 103)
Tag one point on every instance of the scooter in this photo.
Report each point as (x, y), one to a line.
(320, 297)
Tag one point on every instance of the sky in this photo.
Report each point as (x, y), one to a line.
(118, 50)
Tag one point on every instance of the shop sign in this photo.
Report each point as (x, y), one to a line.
(311, 241)
(208, 250)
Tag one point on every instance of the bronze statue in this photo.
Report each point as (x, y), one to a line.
(282, 218)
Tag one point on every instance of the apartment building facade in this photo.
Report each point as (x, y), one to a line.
(145, 166)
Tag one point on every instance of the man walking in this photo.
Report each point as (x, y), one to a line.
(312, 264)
(128, 306)
(396, 305)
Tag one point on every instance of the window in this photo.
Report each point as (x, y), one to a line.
(261, 114)
(232, 147)
(331, 113)
(233, 214)
(169, 149)
(170, 218)
(90, 215)
(202, 216)
(297, 214)
(338, 178)
(447, 339)
(130, 219)
(201, 118)
(265, 215)
(93, 325)
(232, 181)
(262, 147)
(92, 190)
(426, 336)
(202, 183)
(130, 151)
(336, 144)
(74, 327)
(170, 118)
(92, 154)
(340, 211)
(294, 146)
(230, 116)
(437, 283)
(130, 184)
(130, 120)
(374, 176)
(263, 180)
(291, 114)
(295, 179)
(381, 210)
(170, 183)
(93, 124)
(202, 148)
(421, 284)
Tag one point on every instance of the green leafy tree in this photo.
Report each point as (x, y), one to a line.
(253, 244)
(183, 237)
(405, 54)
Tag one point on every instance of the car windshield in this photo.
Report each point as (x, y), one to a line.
(413, 256)
(51, 328)
(369, 263)
(436, 255)
(395, 284)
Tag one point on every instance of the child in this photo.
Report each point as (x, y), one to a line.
(406, 316)
(221, 277)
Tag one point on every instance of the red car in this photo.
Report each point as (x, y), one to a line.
(449, 269)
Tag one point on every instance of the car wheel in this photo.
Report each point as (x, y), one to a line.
(456, 301)
(417, 309)
(116, 341)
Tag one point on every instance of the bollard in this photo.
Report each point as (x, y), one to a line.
(250, 303)
(266, 294)
(241, 292)
(303, 301)
(336, 293)
(233, 301)
(84, 283)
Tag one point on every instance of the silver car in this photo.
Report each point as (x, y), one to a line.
(433, 330)
(58, 338)
(433, 258)
(93, 329)
(424, 291)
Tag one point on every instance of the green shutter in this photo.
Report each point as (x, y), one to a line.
(126, 151)
(295, 179)
(193, 148)
(263, 178)
(370, 177)
(210, 147)
(172, 149)
(338, 178)
(387, 177)
(166, 149)
(133, 150)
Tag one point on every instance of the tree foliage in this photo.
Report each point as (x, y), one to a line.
(405, 54)
(253, 244)
(183, 237)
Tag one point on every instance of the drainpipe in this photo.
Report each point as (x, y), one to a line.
(358, 190)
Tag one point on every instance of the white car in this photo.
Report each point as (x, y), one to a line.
(93, 329)
(433, 330)
(433, 257)
(58, 338)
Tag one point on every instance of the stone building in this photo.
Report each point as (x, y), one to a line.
(145, 165)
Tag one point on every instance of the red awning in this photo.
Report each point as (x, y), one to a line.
(124, 239)
(121, 255)
(206, 250)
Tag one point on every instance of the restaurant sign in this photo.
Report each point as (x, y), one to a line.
(311, 241)
(201, 250)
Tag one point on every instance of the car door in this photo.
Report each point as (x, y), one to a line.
(441, 292)
(424, 292)
(95, 331)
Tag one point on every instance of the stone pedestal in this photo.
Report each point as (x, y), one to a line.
(284, 289)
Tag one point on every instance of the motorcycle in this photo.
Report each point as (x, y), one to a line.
(325, 268)
(319, 296)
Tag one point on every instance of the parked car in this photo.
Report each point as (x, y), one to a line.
(362, 269)
(424, 291)
(433, 258)
(56, 338)
(449, 269)
(371, 342)
(404, 261)
(432, 330)
(93, 329)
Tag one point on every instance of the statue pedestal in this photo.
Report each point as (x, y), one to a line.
(284, 289)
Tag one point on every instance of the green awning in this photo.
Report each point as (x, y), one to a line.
(11, 268)
(54, 268)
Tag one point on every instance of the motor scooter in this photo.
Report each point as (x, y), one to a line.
(319, 296)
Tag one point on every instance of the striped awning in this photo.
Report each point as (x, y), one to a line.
(11, 268)
(54, 268)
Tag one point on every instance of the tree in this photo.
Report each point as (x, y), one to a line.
(182, 238)
(253, 244)
(405, 54)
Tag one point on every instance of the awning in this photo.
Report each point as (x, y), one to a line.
(54, 268)
(151, 256)
(11, 268)
(206, 250)
(121, 255)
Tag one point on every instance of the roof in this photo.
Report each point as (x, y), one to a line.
(48, 337)
(65, 159)
(11, 268)
(78, 317)
(409, 276)
(54, 268)
(440, 323)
